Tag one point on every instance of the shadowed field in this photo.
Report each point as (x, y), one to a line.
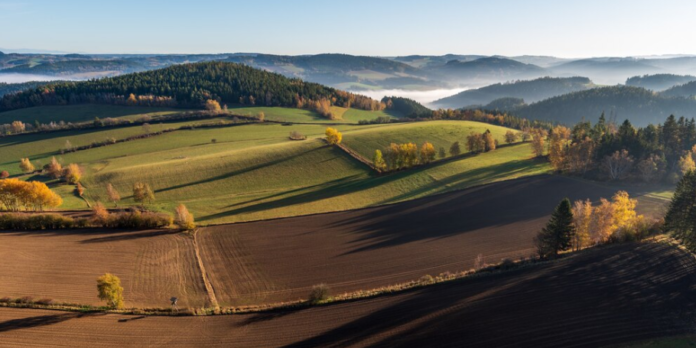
(607, 296)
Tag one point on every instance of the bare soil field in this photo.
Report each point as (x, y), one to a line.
(280, 260)
(600, 297)
(63, 265)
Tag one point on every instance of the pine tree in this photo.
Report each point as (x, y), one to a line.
(681, 216)
(558, 233)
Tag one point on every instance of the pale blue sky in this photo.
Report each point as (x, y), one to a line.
(377, 27)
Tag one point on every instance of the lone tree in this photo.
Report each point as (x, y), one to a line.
(113, 194)
(26, 166)
(110, 290)
(681, 216)
(333, 136)
(142, 192)
(455, 149)
(558, 233)
(4, 174)
(183, 218)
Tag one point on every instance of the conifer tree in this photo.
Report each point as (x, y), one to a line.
(558, 233)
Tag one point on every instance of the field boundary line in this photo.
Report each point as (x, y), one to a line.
(208, 285)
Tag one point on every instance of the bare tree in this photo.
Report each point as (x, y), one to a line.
(618, 165)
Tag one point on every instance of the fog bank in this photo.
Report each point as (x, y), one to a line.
(19, 78)
(423, 97)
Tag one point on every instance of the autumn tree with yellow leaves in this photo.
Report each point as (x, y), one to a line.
(16, 195)
(26, 166)
(333, 136)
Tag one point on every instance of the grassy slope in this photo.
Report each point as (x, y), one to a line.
(302, 115)
(254, 171)
(439, 133)
(78, 113)
(40, 147)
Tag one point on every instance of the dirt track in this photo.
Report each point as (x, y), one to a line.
(617, 294)
(279, 260)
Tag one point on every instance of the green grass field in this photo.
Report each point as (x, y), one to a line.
(79, 113)
(306, 116)
(255, 172)
(40, 147)
(439, 133)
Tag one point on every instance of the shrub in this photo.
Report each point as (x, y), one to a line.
(31, 222)
(25, 300)
(4, 174)
(184, 219)
(5, 300)
(138, 220)
(506, 264)
(426, 279)
(45, 301)
(319, 294)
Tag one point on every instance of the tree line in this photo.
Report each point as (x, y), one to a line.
(663, 152)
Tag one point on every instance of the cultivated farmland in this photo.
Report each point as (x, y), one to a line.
(64, 265)
(280, 260)
(601, 297)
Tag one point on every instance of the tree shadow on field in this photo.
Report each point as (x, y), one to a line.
(240, 171)
(268, 316)
(601, 297)
(504, 204)
(42, 320)
(100, 235)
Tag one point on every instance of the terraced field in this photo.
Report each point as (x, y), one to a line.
(602, 297)
(64, 265)
(258, 262)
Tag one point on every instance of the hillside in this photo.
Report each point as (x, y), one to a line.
(406, 107)
(9, 88)
(487, 69)
(531, 91)
(659, 82)
(187, 85)
(687, 90)
(606, 70)
(77, 67)
(638, 105)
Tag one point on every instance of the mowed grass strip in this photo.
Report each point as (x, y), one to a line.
(439, 133)
(81, 113)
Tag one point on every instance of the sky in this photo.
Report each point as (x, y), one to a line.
(562, 28)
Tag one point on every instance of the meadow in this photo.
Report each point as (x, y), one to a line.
(282, 114)
(81, 113)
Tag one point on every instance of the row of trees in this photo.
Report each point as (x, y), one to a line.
(399, 156)
(579, 225)
(16, 195)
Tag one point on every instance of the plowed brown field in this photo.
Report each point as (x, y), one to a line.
(606, 296)
(280, 260)
(64, 265)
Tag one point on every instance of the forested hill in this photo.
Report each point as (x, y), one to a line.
(8, 88)
(687, 90)
(659, 82)
(530, 91)
(407, 107)
(190, 85)
(638, 105)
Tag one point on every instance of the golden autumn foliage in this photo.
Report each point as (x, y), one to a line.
(110, 290)
(183, 218)
(558, 144)
(538, 141)
(212, 105)
(510, 137)
(53, 169)
(427, 153)
(113, 194)
(26, 166)
(142, 192)
(333, 136)
(16, 195)
(72, 173)
(582, 219)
